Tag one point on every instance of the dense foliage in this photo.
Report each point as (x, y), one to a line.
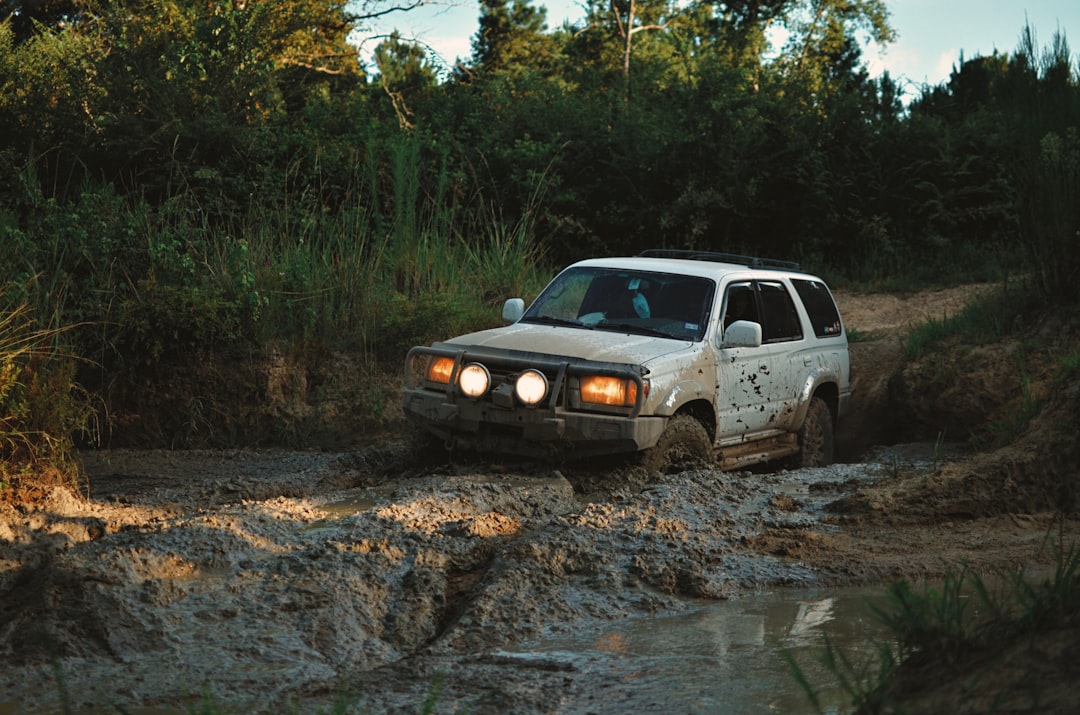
(185, 177)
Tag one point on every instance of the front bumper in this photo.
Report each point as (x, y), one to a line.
(549, 429)
(529, 432)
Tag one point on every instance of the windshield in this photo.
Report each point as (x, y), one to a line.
(642, 302)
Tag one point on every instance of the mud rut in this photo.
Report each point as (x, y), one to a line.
(270, 578)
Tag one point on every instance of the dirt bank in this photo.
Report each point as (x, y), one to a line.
(266, 578)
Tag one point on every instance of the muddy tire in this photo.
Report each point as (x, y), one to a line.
(685, 444)
(816, 439)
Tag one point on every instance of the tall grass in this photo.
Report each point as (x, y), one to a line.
(984, 320)
(1024, 409)
(429, 266)
(41, 408)
(1046, 107)
(399, 257)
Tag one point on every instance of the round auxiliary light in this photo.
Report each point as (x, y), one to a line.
(531, 387)
(474, 379)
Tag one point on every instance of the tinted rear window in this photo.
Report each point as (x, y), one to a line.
(819, 306)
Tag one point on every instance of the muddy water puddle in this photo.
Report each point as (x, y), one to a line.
(720, 657)
(357, 502)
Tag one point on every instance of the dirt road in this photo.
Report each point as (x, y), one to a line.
(268, 578)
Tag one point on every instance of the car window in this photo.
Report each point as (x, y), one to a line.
(820, 306)
(645, 302)
(617, 296)
(740, 303)
(781, 318)
(685, 300)
(564, 296)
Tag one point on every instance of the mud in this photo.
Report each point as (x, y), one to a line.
(267, 580)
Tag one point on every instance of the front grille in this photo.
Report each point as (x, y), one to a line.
(505, 365)
(502, 382)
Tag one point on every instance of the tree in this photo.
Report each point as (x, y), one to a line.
(51, 91)
(624, 20)
(628, 24)
(739, 31)
(512, 38)
(26, 16)
(823, 31)
(404, 71)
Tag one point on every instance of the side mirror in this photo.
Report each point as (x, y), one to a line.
(513, 309)
(742, 334)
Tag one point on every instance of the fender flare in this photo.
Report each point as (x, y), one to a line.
(818, 376)
(679, 394)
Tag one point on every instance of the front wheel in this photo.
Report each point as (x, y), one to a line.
(685, 444)
(816, 443)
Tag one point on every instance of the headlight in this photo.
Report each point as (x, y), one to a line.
(440, 369)
(474, 380)
(615, 391)
(531, 386)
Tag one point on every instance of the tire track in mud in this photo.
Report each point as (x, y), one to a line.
(269, 576)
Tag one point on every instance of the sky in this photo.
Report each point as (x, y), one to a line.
(931, 34)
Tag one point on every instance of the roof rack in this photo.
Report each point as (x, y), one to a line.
(750, 261)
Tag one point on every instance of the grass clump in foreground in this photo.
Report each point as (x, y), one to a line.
(41, 408)
(970, 644)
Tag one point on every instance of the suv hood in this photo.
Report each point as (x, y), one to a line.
(601, 345)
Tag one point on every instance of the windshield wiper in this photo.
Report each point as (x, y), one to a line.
(639, 329)
(552, 320)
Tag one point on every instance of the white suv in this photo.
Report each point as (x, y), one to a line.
(669, 353)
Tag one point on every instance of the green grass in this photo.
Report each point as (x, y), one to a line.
(936, 627)
(984, 320)
(139, 291)
(854, 335)
(351, 280)
(1068, 369)
(40, 407)
(1009, 428)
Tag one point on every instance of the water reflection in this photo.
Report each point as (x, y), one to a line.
(719, 657)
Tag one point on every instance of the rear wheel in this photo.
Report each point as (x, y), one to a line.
(816, 442)
(685, 444)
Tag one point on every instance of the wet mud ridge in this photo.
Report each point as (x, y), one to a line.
(269, 578)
